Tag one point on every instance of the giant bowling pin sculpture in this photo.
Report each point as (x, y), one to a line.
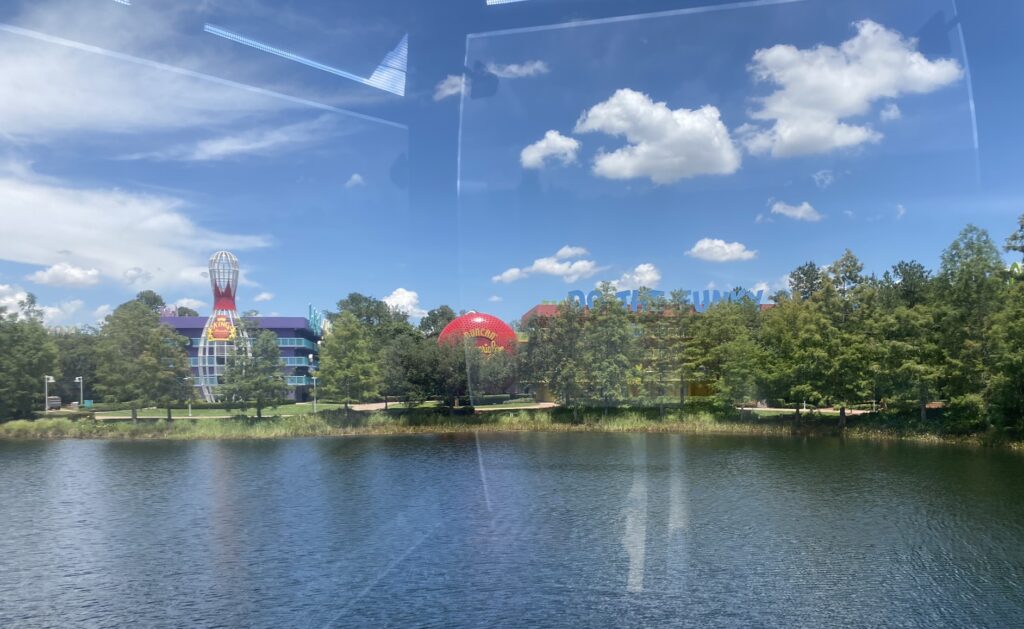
(222, 335)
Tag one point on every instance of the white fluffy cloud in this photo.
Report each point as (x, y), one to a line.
(56, 86)
(130, 237)
(355, 180)
(553, 144)
(264, 296)
(189, 302)
(782, 283)
(819, 87)
(569, 251)
(61, 313)
(559, 265)
(64, 274)
(803, 212)
(518, 70)
(664, 145)
(251, 142)
(407, 301)
(901, 211)
(451, 85)
(511, 274)
(890, 112)
(645, 275)
(717, 250)
(102, 311)
(494, 299)
(11, 295)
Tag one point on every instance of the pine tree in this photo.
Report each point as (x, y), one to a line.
(255, 377)
(608, 349)
(139, 360)
(349, 367)
(27, 354)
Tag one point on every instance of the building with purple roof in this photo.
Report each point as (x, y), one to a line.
(298, 338)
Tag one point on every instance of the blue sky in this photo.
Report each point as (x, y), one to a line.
(684, 149)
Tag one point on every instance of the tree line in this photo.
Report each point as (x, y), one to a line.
(905, 341)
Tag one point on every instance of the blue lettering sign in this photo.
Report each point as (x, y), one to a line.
(701, 300)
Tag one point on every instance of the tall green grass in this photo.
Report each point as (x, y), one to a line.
(411, 422)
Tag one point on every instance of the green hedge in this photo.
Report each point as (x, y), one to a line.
(485, 400)
(70, 415)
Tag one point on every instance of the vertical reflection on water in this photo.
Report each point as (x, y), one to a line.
(483, 475)
(635, 538)
(678, 512)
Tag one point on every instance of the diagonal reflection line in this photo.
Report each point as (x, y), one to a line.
(290, 56)
(383, 573)
(68, 43)
(970, 91)
(630, 18)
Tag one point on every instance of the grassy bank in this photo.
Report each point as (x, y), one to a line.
(337, 423)
(374, 423)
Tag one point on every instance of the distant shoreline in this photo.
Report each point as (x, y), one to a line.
(380, 424)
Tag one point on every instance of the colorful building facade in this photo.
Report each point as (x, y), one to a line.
(297, 337)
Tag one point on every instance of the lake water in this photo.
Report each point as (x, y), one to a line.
(558, 530)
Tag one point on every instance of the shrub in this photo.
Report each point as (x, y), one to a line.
(709, 404)
(72, 415)
(965, 415)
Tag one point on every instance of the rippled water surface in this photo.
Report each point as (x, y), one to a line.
(510, 530)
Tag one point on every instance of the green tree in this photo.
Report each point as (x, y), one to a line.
(446, 373)
(1005, 388)
(847, 304)
(910, 282)
(139, 360)
(910, 366)
(349, 367)
(489, 373)
(722, 350)
(805, 280)
(435, 320)
(186, 312)
(76, 348)
(379, 318)
(846, 273)
(608, 348)
(151, 300)
(399, 361)
(553, 356)
(27, 354)
(657, 363)
(971, 285)
(256, 376)
(1015, 242)
(796, 357)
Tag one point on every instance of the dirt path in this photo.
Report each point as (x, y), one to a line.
(379, 406)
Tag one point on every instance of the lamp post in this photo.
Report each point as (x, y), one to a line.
(81, 391)
(314, 383)
(46, 393)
